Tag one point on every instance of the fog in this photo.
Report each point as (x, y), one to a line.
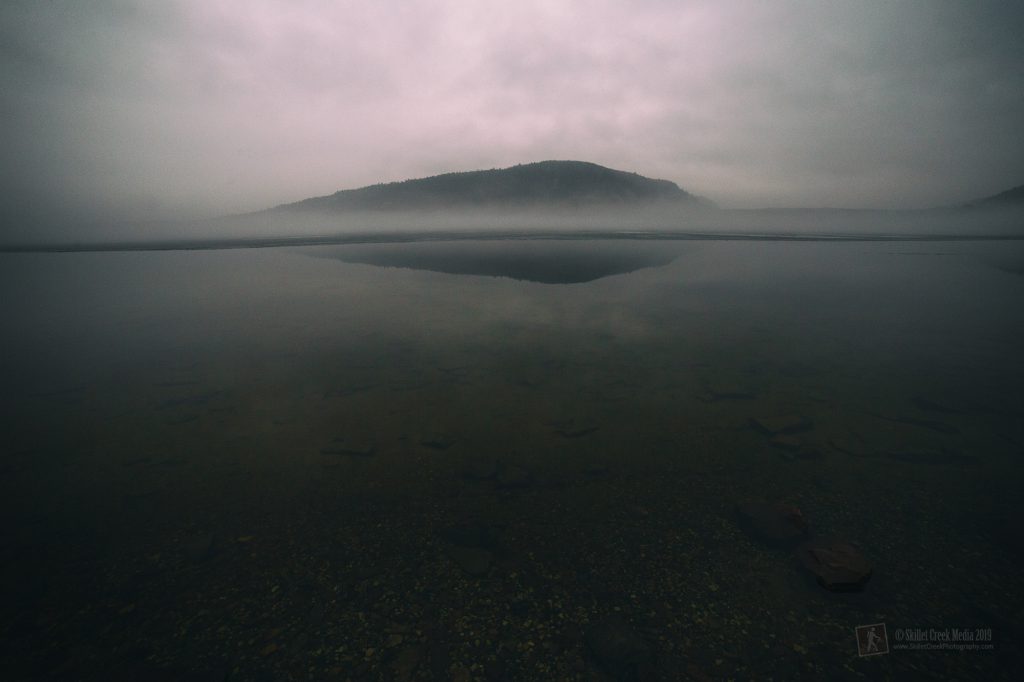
(272, 228)
(621, 220)
(119, 113)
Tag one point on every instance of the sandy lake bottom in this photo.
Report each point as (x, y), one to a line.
(479, 461)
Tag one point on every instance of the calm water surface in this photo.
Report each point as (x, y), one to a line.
(391, 462)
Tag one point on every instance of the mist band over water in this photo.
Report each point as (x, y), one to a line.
(400, 237)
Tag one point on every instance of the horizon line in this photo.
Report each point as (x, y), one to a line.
(399, 237)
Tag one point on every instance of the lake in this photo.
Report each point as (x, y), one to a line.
(522, 460)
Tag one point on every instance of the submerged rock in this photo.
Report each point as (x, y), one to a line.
(782, 424)
(852, 447)
(478, 535)
(577, 432)
(793, 448)
(931, 456)
(573, 427)
(838, 566)
(481, 469)
(728, 391)
(943, 406)
(350, 447)
(513, 476)
(437, 441)
(773, 523)
(618, 648)
(938, 427)
(789, 443)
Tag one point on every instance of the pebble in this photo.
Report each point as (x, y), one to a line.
(472, 560)
(406, 663)
(773, 523)
(617, 647)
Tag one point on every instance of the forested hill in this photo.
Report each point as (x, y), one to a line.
(543, 184)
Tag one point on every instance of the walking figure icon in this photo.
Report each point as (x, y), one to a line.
(872, 640)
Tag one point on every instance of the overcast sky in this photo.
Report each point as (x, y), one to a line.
(122, 109)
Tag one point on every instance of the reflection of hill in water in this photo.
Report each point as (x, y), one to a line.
(547, 261)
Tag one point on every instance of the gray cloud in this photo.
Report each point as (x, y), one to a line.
(117, 109)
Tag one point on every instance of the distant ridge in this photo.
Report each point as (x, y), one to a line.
(534, 185)
(1010, 198)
